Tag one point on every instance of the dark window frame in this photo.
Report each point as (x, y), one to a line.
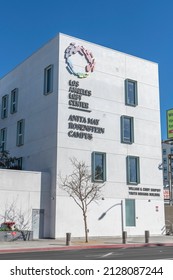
(4, 109)
(20, 132)
(48, 79)
(124, 139)
(127, 93)
(3, 139)
(103, 170)
(129, 170)
(14, 101)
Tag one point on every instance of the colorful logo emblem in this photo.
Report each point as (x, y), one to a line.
(72, 50)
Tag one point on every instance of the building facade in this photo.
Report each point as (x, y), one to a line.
(167, 149)
(167, 167)
(73, 98)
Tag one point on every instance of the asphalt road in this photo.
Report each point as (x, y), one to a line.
(144, 253)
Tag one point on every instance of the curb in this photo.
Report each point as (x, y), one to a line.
(83, 247)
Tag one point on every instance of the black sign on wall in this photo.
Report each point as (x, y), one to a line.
(75, 97)
(80, 126)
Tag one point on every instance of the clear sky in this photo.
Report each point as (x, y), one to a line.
(142, 28)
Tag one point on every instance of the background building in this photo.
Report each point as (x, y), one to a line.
(167, 167)
(167, 159)
(73, 98)
(167, 149)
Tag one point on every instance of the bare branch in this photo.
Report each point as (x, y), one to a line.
(80, 187)
(13, 214)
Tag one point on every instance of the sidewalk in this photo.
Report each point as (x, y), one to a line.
(79, 243)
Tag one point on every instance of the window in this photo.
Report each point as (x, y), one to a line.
(130, 212)
(133, 175)
(164, 151)
(164, 160)
(98, 167)
(165, 178)
(127, 130)
(4, 111)
(3, 139)
(20, 132)
(171, 150)
(14, 101)
(18, 163)
(48, 79)
(131, 93)
(165, 170)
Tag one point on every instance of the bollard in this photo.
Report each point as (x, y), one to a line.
(147, 235)
(68, 238)
(124, 237)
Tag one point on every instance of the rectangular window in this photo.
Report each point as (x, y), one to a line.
(131, 96)
(20, 132)
(48, 79)
(127, 130)
(14, 101)
(3, 139)
(165, 178)
(133, 174)
(18, 163)
(164, 151)
(4, 110)
(171, 150)
(98, 167)
(130, 212)
(165, 170)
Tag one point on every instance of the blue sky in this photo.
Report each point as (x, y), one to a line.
(137, 27)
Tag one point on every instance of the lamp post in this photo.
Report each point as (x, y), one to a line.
(122, 215)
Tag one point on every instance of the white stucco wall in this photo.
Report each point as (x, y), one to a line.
(39, 112)
(107, 103)
(47, 147)
(25, 190)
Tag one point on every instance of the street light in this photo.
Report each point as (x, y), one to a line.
(122, 214)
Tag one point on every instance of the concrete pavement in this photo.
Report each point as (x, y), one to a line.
(79, 243)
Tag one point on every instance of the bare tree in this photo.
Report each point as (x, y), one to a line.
(13, 214)
(80, 187)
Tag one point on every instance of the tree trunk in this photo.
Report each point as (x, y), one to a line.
(85, 225)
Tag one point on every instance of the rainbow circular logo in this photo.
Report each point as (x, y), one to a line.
(72, 49)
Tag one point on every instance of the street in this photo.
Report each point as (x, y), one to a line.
(143, 253)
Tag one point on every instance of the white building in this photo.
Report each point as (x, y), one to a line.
(73, 98)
